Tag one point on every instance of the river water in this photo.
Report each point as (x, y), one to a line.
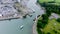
(13, 26)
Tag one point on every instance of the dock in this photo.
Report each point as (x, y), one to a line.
(9, 18)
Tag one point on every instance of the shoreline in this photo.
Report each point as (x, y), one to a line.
(2, 19)
(34, 28)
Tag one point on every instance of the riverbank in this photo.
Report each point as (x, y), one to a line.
(34, 26)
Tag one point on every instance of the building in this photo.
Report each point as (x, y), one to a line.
(53, 15)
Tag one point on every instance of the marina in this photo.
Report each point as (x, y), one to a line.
(14, 26)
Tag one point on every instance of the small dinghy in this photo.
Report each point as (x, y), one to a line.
(21, 27)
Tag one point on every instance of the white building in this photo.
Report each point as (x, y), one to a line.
(0, 15)
(53, 15)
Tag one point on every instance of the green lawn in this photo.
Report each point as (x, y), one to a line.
(41, 1)
(53, 27)
(57, 2)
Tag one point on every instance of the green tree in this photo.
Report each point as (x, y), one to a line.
(58, 20)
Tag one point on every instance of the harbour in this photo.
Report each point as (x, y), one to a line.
(13, 26)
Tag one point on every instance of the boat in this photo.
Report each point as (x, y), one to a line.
(21, 27)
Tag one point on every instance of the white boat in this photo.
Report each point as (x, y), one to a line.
(21, 27)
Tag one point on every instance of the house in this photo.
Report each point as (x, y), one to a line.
(53, 15)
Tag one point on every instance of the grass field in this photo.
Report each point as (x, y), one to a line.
(41, 1)
(57, 2)
(53, 27)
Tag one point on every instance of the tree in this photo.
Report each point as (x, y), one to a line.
(48, 33)
(58, 19)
